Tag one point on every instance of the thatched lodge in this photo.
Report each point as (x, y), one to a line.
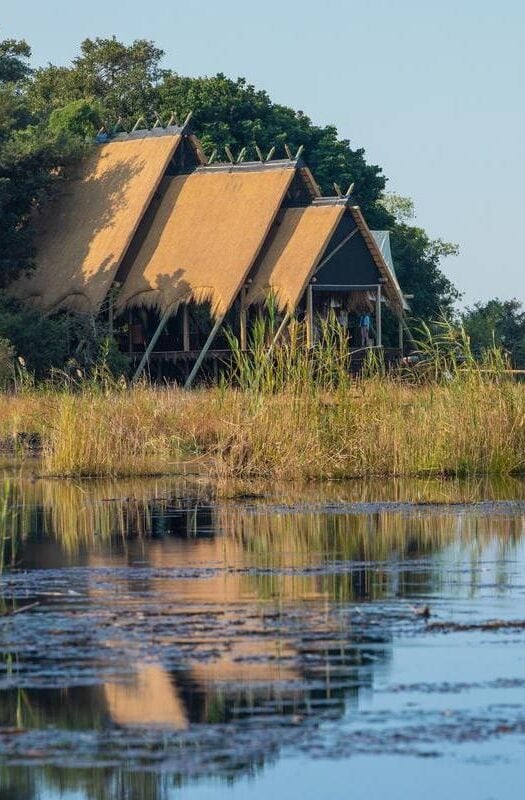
(173, 250)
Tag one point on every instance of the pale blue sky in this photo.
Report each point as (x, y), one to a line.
(433, 91)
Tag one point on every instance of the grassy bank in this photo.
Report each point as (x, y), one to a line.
(296, 415)
(376, 427)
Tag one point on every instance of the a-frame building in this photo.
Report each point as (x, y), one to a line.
(176, 249)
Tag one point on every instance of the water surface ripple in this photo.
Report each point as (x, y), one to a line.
(156, 642)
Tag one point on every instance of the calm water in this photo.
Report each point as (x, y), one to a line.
(167, 645)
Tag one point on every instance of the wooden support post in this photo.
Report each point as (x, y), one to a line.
(309, 316)
(144, 360)
(401, 332)
(110, 314)
(243, 320)
(130, 333)
(280, 329)
(379, 342)
(185, 327)
(202, 354)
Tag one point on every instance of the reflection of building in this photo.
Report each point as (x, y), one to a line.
(197, 639)
(149, 699)
(172, 250)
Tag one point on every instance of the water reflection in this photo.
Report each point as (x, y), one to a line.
(179, 633)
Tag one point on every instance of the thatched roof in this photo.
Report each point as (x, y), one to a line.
(84, 233)
(206, 235)
(293, 253)
(297, 245)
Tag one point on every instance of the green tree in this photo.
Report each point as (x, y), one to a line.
(122, 78)
(33, 158)
(42, 342)
(78, 118)
(499, 322)
(14, 57)
(234, 113)
(417, 258)
(402, 209)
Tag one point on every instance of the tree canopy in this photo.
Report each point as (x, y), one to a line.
(33, 156)
(500, 323)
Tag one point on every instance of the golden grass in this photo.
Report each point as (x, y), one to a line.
(372, 427)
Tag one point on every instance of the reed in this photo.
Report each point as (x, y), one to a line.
(9, 533)
(288, 412)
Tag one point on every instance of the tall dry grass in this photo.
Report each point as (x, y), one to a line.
(287, 412)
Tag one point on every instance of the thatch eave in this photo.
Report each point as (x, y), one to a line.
(205, 237)
(84, 233)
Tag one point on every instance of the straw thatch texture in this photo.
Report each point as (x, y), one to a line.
(293, 253)
(205, 237)
(85, 232)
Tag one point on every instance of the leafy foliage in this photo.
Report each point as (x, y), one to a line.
(417, 259)
(61, 342)
(42, 342)
(122, 77)
(78, 118)
(499, 323)
(33, 157)
(7, 367)
(14, 55)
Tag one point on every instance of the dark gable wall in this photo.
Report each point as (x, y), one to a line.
(353, 263)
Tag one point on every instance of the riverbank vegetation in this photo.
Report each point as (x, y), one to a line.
(293, 414)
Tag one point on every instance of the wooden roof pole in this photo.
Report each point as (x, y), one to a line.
(400, 336)
(185, 327)
(243, 320)
(379, 327)
(153, 341)
(278, 335)
(203, 352)
(336, 249)
(309, 317)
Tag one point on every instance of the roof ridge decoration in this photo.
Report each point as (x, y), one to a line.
(233, 160)
(339, 199)
(247, 166)
(172, 128)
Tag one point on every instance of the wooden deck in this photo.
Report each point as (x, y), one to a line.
(358, 355)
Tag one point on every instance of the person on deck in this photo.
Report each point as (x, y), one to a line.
(364, 328)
